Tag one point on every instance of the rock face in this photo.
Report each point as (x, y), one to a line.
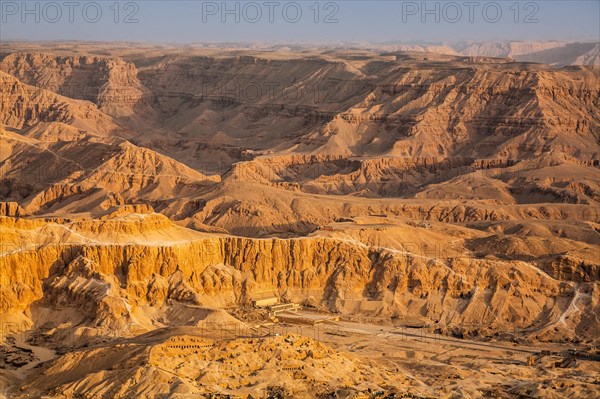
(110, 83)
(439, 127)
(90, 173)
(11, 209)
(105, 282)
(24, 106)
(427, 108)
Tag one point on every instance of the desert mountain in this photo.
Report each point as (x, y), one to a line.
(152, 197)
(388, 126)
(550, 52)
(110, 83)
(24, 106)
(81, 172)
(339, 106)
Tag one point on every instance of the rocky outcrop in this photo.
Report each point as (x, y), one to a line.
(382, 176)
(99, 172)
(106, 281)
(11, 209)
(24, 106)
(193, 365)
(569, 268)
(110, 83)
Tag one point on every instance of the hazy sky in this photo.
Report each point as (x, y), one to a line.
(300, 21)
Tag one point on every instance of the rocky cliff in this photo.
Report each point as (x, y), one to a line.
(24, 106)
(110, 83)
(107, 282)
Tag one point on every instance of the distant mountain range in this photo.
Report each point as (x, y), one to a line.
(555, 53)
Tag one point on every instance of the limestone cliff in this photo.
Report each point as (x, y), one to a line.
(110, 83)
(106, 281)
(25, 106)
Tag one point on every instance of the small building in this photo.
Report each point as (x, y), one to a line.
(265, 302)
(291, 306)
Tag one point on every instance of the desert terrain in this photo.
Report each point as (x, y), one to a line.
(189, 222)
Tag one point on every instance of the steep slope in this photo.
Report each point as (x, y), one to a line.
(148, 207)
(398, 104)
(24, 106)
(110, 83)
(111, 284)
(89, 173)
(570, 54)
(391, 125)
(506, 49)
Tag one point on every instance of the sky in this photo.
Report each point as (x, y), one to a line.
(300, 21)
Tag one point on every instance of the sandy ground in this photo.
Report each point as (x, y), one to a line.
(417, 361)
(442, 366)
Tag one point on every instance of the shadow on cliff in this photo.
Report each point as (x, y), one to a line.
(284, 230)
